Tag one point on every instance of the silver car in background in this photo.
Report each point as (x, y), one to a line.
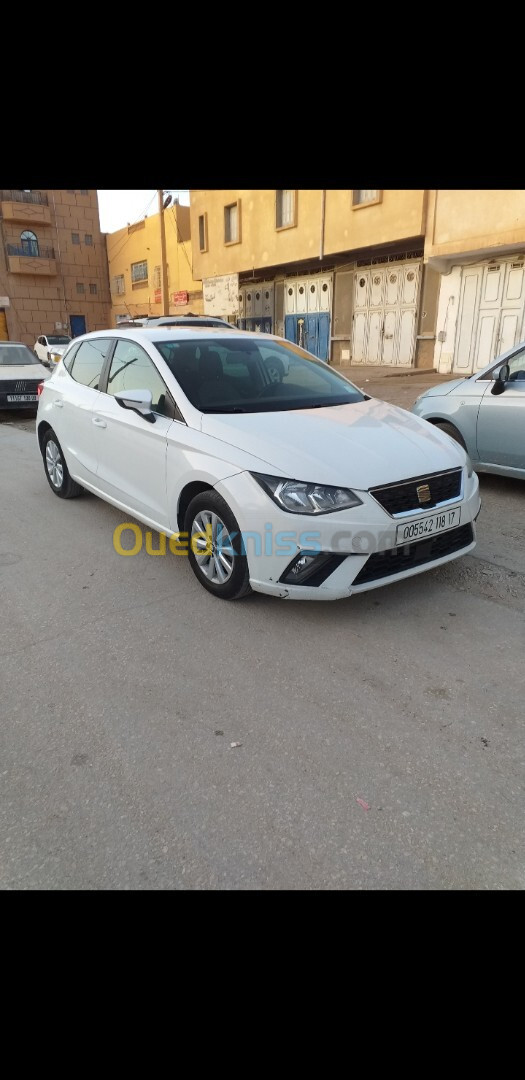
(485, 413)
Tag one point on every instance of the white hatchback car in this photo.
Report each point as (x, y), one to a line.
(299, 487)
(50, 347)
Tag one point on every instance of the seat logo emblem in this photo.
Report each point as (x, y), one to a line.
(423, 493)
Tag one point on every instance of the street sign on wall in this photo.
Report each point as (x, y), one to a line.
(221, 295)
(180, 298)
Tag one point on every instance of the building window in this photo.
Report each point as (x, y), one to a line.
(285, 202)
(139, 272)
(80, 287)
(203, 232)
(29, 242)
(88, 239)
(93, 290)
(117, 285)
(232, 223)
(75, 238)
(84, 191)
(366, 197)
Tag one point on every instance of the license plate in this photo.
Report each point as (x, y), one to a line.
(428, 526)
(22, 397)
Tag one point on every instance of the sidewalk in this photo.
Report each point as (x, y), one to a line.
(399, 386)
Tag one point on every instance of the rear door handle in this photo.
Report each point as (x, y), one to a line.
(99, 423)
(59, 404)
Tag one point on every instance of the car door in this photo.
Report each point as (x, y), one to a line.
(131, 450)
(74, 395)
(501, 419)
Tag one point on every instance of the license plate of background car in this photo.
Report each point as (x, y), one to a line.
(428, 526)
(22, 397)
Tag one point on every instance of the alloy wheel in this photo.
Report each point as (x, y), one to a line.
(214, 553)
(54, 464)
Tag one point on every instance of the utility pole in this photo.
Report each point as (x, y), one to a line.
(163, 267)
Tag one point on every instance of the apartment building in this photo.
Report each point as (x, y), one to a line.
(134, 262)
(475, 241)
(339, 271)
(53, 265)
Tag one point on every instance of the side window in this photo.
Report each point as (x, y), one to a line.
(69, 356)
(41, 341)
(517, 366)
(89, 361)
(132, 369)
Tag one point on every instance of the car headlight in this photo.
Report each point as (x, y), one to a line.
(300, 498)
(55, 357)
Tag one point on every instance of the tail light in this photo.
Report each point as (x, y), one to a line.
(39, 388)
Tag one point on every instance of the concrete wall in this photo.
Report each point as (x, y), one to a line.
(49, 294)
(142, 242)
(474, 222)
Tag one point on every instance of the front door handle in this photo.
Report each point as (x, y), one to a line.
(99, 423)
(59, 404)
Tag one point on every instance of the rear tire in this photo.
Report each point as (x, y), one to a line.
(449, 429)
(220, 566)
(56, 470)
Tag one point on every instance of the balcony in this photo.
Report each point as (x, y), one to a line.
(20, 261)
(25, 207)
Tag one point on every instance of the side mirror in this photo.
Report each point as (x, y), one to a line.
(502, 377)
(137, 400)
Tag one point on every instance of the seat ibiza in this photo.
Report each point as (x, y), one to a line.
(267, 468)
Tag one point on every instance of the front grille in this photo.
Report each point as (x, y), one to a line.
(385, 563)
(401, 498)
(19, 386)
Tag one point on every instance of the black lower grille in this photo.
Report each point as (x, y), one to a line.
(422, 492)
(19, 386)
(385, 563)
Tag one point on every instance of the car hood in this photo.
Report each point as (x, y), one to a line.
(59, 350)
(24, 371)
(443, 388)
(358, 446)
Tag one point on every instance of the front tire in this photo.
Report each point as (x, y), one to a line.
(56, 470)
(449, 429)
(218, 561)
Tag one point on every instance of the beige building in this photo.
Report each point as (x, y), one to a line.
(475, 240)
(53, 266)
(134, 260)
(425, 278)
(338, 271)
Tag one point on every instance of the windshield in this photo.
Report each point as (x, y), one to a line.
(58, 340)
(16, 355)
(249, 375)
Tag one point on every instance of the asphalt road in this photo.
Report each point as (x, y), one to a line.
(124, 684)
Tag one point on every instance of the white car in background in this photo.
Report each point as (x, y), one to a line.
(21, 376)
(50, 347)
(301, 487)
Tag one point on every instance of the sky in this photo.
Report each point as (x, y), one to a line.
(120, 208)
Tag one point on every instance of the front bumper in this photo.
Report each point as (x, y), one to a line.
(273, 539)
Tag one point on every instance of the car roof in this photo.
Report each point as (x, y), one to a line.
(176, 333)
(2, 343)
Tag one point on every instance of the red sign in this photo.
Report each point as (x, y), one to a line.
(158, 296)
(180, 298)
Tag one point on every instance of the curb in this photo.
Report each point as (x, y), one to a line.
(392, 374)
